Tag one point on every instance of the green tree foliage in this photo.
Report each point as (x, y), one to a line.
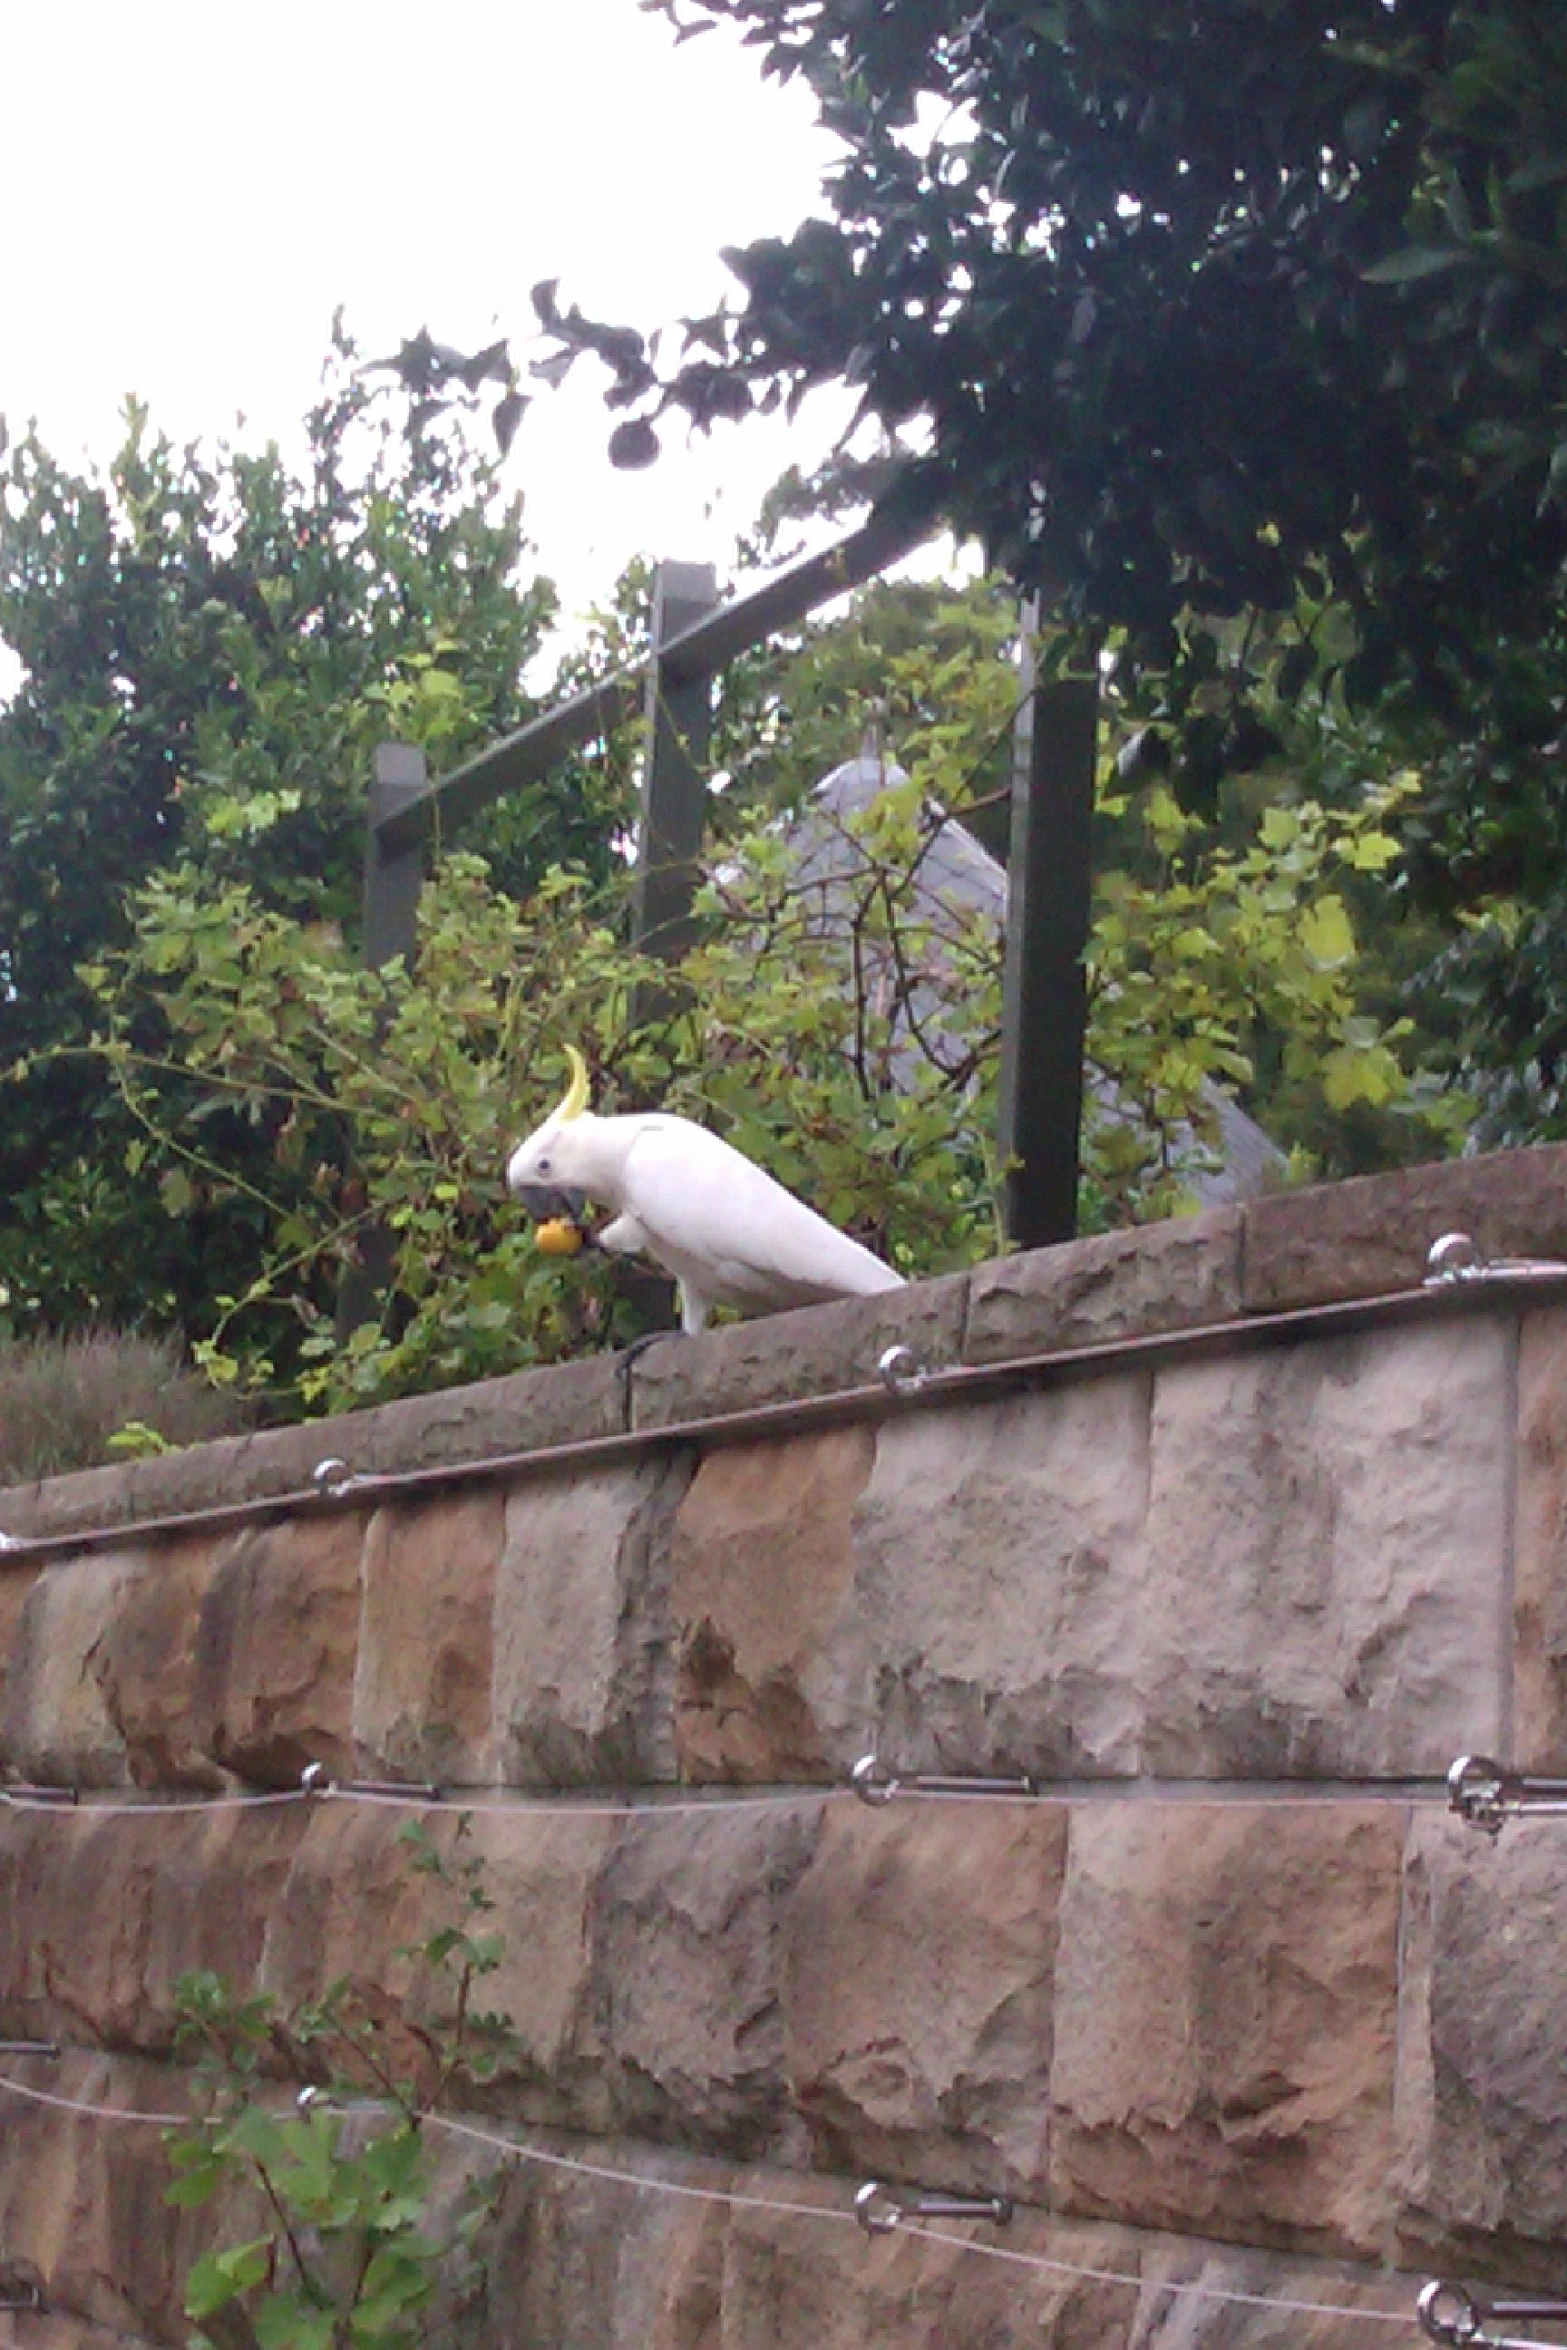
(854, 1057)
(1203, 308)
(210, 646)
(1171, 301)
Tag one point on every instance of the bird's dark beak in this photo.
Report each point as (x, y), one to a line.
(544, 1203)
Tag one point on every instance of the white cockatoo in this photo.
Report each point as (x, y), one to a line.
(728, 1233)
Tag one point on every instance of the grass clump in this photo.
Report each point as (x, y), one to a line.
(65, 1401)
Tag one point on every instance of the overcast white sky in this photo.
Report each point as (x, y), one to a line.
(190, 190)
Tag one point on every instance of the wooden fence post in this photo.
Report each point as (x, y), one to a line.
(393, 877)
(674, 784)
(1044, 986)
(393, 880)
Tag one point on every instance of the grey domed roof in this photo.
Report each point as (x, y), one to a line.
(956, 875)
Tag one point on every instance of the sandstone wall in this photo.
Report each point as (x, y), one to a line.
(1231, 2008)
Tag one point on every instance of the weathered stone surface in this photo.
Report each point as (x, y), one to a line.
(276, 1650)
(1173, 1276)
(422, 1685)
(816, 1351)
(996, 1588)
(1482, 2123)
(1539, 1740)
(582, 1636)
(1225, 2016)
(584, 2263)
(595, 2261)
(144, 1661)
(918, 1991)
(1370, 1235)
(43, 2330)
(81, 2201)
(561, 1404)
(15, 1585)
(65, 1505)
(1325, 1565)
(599, 2262)
(1292, 1562)
(101, 1913)
(762, 1565)
(795, 2284)
(58, 1726)
(355, 1908)
(688, 1954)
(1289, 1560)
(528, 1410)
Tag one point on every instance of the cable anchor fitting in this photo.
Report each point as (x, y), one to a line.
(23, 1792)
(316, 1779)
(880, 2210)
(332, 1478)
(901, 1371)
(1455, 2318)
(1488, 1796)
(874, 1785)
(1456, 1258)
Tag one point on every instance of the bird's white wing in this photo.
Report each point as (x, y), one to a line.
(721, 1224)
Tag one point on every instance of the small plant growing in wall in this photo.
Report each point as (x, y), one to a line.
(314, 2139)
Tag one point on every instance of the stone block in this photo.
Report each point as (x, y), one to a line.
(791, 2284)
(144, 1661)
(782, 1358)
(562, 1403)
(422, 1684)
(59, 1726)
(355, 1907)
(762, 1569)
(1370, 1235)
(992, 1621)
(1226, 1995)
(101, 1913)
(1172, 1276)
(918, 1991)
(688, 1956)
(67, 1505)
(1325, 1563)
(1482, 2124)
(1539, 1741)
(601, 2262)
(582, 1635)
(81, 2201)
(15, 1585)
(527, 1411)
(276, 1649)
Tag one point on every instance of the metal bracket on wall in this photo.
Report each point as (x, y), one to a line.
(872, 1784)
(1454, 2318)
(880, 2209)
(1456, 1257)
(316, 1779)
(1487, 1796)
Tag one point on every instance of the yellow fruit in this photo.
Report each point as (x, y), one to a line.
(559, 1237)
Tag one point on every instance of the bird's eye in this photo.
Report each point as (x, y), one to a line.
(544, 1166)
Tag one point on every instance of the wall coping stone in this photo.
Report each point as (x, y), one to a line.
(1332, 1243)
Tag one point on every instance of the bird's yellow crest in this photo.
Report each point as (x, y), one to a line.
(575, 1099)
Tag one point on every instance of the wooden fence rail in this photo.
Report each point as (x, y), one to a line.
(694, 637)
